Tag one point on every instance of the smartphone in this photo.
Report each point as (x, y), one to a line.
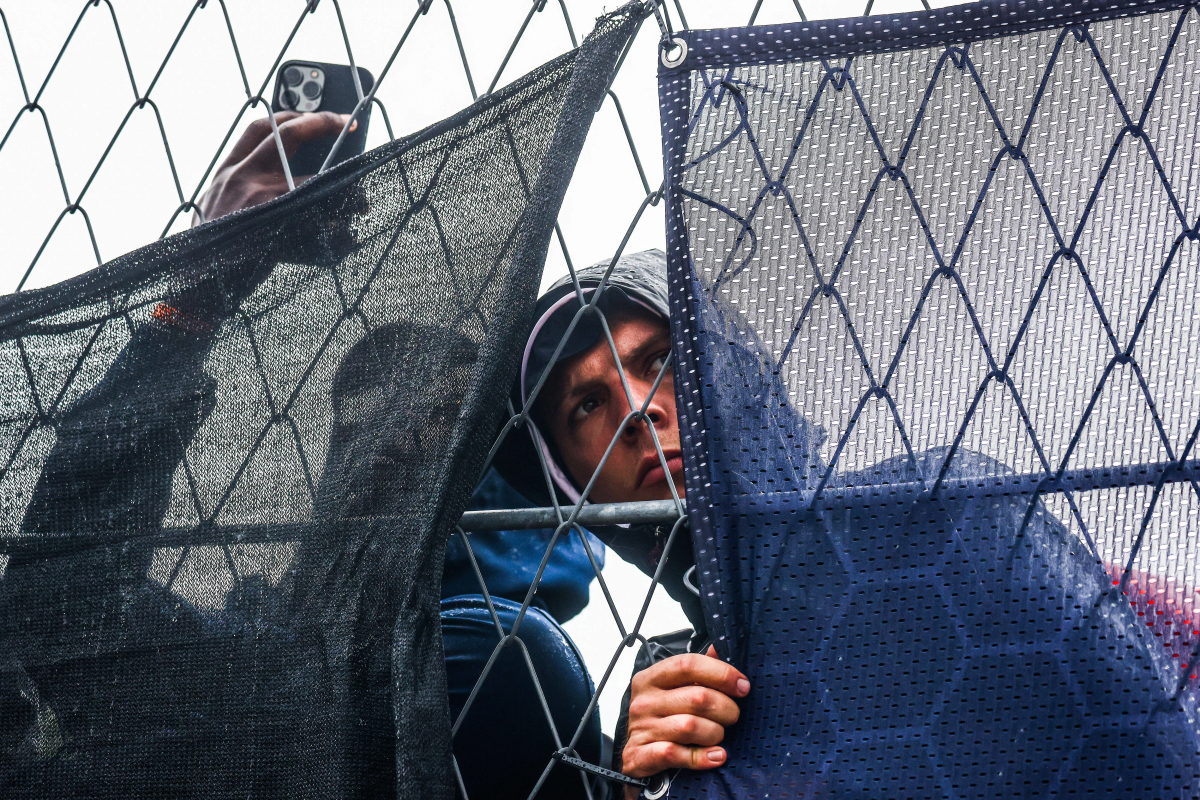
(316, 86)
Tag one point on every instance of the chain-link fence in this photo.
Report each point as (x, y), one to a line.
(957, 471)
(119, 111)
(121, 114)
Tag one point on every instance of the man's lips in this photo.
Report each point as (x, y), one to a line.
(656, 475)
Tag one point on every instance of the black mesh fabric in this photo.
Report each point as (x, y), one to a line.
(934, 282)
(229, 463)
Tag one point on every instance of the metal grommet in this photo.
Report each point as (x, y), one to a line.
(659, 784)
(674, 51)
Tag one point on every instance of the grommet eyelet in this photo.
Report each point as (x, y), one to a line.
(657, 788)
(674, 52)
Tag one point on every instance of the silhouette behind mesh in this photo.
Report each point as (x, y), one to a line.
(935, 280)
(229, 463)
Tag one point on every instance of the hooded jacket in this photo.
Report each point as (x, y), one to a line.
(638, 279)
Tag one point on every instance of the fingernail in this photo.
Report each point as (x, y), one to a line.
(716, 755)
(743, 686)
(353, 125)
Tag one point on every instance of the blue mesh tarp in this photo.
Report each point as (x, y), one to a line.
(934, 281)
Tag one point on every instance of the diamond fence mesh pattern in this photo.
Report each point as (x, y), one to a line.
(224, 488)
(878, 298)
(1015, 273)
(938, 284)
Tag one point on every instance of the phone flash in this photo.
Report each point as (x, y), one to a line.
(316, 74)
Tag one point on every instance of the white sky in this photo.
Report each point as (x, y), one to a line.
(133, 195)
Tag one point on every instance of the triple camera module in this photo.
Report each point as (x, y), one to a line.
(301, 88)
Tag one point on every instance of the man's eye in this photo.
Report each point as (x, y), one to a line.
(659, 361)
(583, 409)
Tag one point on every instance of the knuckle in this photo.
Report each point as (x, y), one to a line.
(698, 699)
(687, 726)
(664, 754)
(636, 767)
(724, 711)
(640, 706)
(643, 761)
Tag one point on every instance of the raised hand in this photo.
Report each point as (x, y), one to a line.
(253, 173)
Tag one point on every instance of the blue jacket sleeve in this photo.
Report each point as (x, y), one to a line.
(509, 560)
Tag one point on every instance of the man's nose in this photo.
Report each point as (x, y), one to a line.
(655, 410)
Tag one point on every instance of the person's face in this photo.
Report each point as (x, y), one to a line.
(396, 456)
(587, 405)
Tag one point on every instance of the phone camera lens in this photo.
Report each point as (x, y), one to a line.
(290, 99)
(292, 76)
(311, 90)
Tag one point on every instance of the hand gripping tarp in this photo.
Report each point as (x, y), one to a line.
(230, 461)
(936, 292)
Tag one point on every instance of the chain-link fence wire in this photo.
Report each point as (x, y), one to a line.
(77, 195)
(963, 406)
(573, 514)
(193, 75)
(1114, 408)
(202, 416)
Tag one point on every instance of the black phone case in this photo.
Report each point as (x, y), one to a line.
(340, 97)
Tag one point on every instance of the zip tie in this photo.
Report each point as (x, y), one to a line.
(579, 763)
(664, 22)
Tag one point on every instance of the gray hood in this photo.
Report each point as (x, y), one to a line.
(637, 278)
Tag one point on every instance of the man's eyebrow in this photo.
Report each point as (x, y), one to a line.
(569, 389)
(650, 342)
(576, 388)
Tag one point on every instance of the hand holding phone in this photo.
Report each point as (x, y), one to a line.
(252, 173)
(307, 86)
